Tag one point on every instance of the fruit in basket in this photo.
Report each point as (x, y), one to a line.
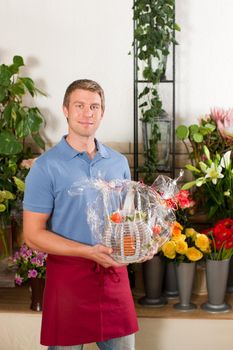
(129, 245)
(116, 217)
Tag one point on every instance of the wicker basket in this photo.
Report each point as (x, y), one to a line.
(129, 240)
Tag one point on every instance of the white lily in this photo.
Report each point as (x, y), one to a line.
(226, 160)
(214, 172)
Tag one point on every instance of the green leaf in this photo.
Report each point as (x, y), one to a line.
(182, 132)
(38, 140)
(18, 61)
(9, 144)
(198, 137)
(29, 84)
(194, 128)
(5, 76)
(188, 185)
(19, 184)
(192, 168)
(34, 120)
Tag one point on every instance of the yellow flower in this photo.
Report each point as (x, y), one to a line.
(193, 254)
(190, 232)
(202, 242)
(169, 249)
(181, 247)
(179, 237)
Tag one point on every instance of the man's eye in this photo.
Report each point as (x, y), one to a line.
(79, 106)
(95, 107)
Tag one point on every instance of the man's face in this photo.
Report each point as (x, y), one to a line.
(84, 113)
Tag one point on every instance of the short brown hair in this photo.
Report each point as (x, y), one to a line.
(84, 84)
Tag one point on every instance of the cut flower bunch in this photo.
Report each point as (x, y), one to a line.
(215, 176)
(29, 264)
(221, 239)
(185, 245)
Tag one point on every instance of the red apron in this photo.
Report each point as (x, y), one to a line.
(85, 303)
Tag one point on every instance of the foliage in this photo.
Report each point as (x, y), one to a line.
(18, 123)
(221, 238)
(214, 130)
(185, 245)
(29, 264)
(153, 35)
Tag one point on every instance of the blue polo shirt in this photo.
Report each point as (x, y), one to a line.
(53, 175)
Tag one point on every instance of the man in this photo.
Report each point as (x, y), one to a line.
(87, 296)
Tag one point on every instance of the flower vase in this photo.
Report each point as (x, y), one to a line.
(37, 290)
(230, 277)
(153, 275)
(216, 277)
(185, 278)
(170, 284)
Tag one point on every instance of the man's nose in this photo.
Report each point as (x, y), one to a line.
(88, 111)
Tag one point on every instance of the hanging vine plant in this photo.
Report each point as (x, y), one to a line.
(154, 36)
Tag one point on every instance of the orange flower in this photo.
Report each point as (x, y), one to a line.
(176, 229)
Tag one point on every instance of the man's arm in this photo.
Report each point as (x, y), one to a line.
(38, 237)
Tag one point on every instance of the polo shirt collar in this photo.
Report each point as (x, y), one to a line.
(69, 152)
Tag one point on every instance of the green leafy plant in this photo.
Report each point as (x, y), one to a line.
(19, 126)
(154, 33)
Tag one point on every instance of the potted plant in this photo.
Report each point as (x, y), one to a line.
(30, 266)
(153, 36)
(19, 125)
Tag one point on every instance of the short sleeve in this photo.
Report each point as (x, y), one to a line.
(38, 195)
(127, 174)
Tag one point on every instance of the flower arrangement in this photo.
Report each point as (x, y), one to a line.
(29, 264)
(221, 239)
(209, 147)
(215, 176)
(185, 245)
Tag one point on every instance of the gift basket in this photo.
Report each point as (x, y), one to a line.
(132, 218)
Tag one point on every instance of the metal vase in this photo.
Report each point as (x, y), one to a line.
(37, 290)
(170, 284)
(216, 277)
(185, 278)
(230, 277)
(153, 275)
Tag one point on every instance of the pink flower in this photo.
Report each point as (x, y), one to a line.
(27, 163)
(32, 273)
(224, 120)
(18, 279)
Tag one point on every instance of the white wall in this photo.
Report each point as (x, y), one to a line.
(66, 40)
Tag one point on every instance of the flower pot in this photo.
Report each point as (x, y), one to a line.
(153, 275)
(185, 278)
(230, 277)
(216, 277)
(37, 291)
(170, 284)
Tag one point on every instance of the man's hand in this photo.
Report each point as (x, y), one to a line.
(101, 254)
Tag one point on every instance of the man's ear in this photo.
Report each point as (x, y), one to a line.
(65, 111)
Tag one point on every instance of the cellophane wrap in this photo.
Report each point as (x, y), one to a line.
(130, 217)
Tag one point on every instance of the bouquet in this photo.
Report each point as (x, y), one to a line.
(185, 245)
(221, 239)
(215, 176)
(132, 218)
(29, 264)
